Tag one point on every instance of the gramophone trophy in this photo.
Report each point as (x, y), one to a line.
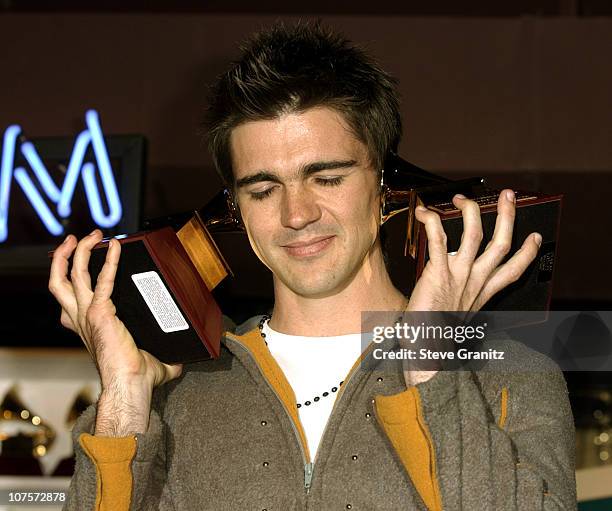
(164, 283)
(165, 278)
(407, 186)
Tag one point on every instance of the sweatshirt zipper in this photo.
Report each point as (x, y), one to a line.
(308, 465)
(308, 468)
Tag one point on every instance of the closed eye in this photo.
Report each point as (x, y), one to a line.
(324, 181)
(261, 195)
(331, 181)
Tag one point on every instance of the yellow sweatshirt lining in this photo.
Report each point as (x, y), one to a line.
(503, 415)
(112, 458)
(401, 417)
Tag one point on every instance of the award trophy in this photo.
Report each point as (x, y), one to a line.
(165, 278)
(406, 186)
(164, 283)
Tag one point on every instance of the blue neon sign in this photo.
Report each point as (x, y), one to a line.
(61, 197)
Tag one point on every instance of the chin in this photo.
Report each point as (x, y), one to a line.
(313, 284)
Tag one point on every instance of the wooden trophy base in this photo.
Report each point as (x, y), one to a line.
(162, 298)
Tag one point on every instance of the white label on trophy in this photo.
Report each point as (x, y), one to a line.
(160, 302)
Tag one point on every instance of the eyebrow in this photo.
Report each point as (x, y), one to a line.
(305, 171)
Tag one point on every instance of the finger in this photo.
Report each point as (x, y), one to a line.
(501, 242)
(510, 271)
(472, 228)
(81, 280)
(59, 285)
(436, 237)
(106, 277)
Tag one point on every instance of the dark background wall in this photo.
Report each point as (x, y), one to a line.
(523, 100)
(478, 94)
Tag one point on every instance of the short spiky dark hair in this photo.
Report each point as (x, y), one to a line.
(291, 69)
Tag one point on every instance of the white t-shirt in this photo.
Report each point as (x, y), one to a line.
(312, 366)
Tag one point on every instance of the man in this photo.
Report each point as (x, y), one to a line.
(299, 127)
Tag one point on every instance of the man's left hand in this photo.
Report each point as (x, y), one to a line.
(460, 281)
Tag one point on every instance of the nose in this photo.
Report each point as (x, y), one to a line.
(298, 208)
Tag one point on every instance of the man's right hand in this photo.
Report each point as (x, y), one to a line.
(127, 373)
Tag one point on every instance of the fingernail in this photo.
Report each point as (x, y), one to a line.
(65, 239)
(459, 196)
(510, 195)
(538, 238)
(421, 208)
(92, 232)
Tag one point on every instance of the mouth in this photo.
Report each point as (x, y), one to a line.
(308, 248)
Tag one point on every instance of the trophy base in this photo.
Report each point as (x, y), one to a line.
(161, 298)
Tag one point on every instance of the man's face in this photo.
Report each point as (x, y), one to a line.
(309, 199)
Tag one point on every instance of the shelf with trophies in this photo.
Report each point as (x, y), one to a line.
(42, 392)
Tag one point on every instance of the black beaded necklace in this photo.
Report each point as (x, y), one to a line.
(264, 319)
(262, 322)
